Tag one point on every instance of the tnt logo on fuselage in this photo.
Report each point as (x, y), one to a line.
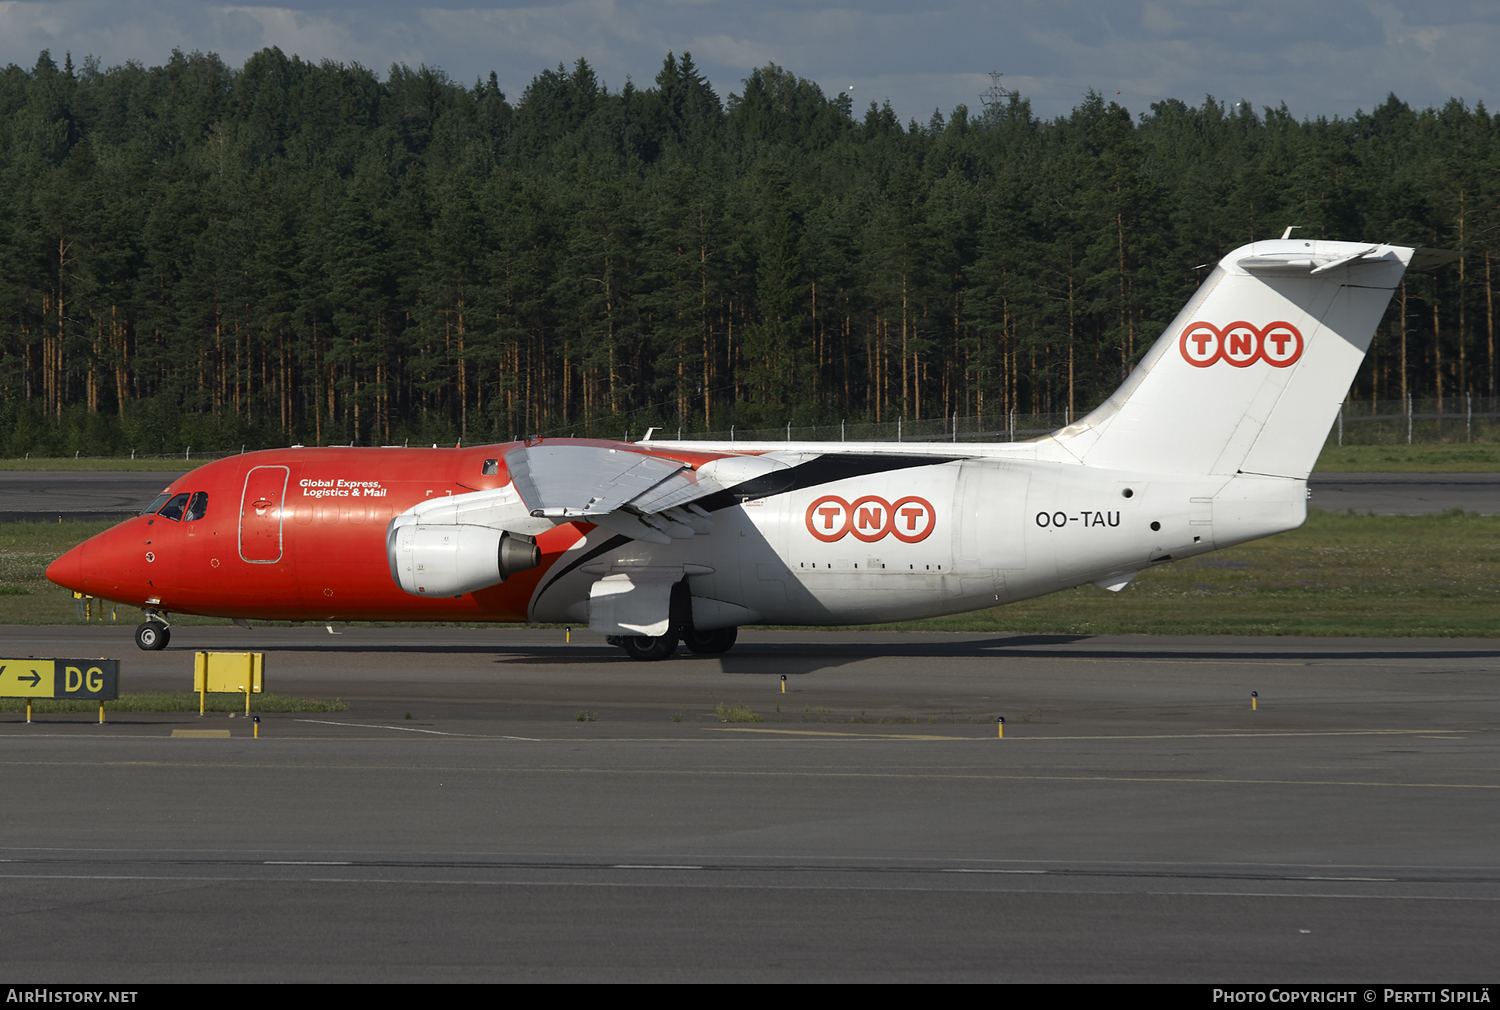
(1241, 344)
(871, 518)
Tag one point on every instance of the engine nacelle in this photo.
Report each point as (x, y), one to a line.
(450, 560)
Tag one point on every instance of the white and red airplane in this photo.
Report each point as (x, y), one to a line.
(1208, 443)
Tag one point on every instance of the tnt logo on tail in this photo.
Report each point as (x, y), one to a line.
(1241, 344)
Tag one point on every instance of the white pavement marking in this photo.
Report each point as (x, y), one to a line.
(412, 729)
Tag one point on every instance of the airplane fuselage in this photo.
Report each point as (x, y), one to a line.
(920, 532)
(1207, 443)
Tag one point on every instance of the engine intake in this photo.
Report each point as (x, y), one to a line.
(450, 560)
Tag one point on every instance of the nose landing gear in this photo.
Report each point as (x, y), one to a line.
(152, 636)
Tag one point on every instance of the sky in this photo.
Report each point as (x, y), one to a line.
(1319, 57)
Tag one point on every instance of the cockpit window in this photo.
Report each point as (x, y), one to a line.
(174, 508)
(157, 503)
(197, 508)
(491, 467)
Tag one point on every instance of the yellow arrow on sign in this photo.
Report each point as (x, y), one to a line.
(26, 678)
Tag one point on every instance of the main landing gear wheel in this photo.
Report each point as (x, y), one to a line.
(153, 636)
(710, 642)
(645, 647)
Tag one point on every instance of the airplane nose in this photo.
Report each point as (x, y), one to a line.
(67, 571)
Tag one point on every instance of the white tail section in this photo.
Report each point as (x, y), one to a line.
(1250, 375)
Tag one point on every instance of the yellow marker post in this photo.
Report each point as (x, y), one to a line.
(1253, 697)
(1000, 724)
(101, 713)
(783, 683)
(568, 639)
(257, 727)
(28, 711)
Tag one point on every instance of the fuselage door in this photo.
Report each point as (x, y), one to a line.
(261, 508)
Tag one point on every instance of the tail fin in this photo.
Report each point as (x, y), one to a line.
(1250, 375)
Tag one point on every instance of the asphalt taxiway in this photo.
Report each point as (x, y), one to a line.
(1405, 494)
(46, 496)
(504, 805)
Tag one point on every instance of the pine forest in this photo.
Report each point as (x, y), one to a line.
(196, 254)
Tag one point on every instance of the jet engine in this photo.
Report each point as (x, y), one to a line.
(450, 560)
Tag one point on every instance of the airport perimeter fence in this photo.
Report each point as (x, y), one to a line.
(190, 457)
(1010, 427)
(1379, 422)
(1413, 421)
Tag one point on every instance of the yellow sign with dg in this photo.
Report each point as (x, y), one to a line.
(60, 678)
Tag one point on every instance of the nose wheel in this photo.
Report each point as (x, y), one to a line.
(152, 636)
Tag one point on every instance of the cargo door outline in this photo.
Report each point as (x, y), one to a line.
(261, 528)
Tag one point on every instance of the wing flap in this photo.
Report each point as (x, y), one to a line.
(685, 486)
(638, 495)
(568, 481)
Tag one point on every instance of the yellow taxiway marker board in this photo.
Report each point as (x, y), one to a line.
(60, 678)
(229, 672)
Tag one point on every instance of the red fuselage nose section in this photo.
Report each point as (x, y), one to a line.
(67, 571)
(301, 534)
(114, 564)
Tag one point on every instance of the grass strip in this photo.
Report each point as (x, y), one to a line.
(1339, 574)
(176, 701)
(1456, 457)
(738, 712)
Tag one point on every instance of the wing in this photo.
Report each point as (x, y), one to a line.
(636, 494)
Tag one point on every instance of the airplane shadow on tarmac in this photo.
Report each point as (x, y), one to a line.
(790, 658)
(754, 657)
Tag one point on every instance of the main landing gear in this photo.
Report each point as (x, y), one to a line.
(649, 647)
(711, 642)
(652, 647)
(152, 636)
(680, 629)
